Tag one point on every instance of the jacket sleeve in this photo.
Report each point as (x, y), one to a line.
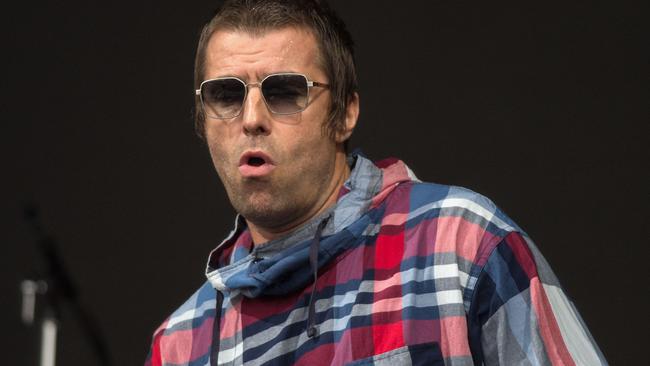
(519, 314)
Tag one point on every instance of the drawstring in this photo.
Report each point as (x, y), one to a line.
(313, 262)
(216, 332)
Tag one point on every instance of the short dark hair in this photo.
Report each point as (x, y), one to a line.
(336, 53)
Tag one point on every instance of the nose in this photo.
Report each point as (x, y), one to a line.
(255, 116)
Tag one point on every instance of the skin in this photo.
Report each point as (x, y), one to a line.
(310, 167)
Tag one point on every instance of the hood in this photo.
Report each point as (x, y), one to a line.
(282, 265)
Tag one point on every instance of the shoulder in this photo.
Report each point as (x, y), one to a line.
(425, 200)
(437, 218)
(450, 222)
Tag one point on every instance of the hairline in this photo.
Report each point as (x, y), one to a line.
(260, 32)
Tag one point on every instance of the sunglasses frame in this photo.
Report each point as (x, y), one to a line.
(310, 84)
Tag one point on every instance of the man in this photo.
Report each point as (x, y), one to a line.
(335, 260)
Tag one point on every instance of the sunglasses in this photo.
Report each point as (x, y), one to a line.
(284, 93)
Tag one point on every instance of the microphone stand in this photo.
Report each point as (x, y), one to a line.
(56, 289)
(33, 289)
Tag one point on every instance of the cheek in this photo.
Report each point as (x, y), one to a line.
(221, 136)
(314, 152)
(218, 153)
(306, 147)
(311, 133)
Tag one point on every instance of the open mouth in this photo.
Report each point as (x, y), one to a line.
(255, 164)
(256, 161)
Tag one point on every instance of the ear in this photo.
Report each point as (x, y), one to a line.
(351, 116)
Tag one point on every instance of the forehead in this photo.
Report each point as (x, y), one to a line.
(253, 55)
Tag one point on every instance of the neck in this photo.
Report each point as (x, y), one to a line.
(261, 234)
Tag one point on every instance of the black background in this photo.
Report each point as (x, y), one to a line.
(541, 106)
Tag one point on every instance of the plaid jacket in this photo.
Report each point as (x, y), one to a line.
(409, 273)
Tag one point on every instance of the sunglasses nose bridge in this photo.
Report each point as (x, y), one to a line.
(247, 88)
(257, 84)
(250, 102)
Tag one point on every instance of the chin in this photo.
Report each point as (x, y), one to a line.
(259, 209)
(269, 214)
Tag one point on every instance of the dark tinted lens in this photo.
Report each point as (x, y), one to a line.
(223, 98)
(285, 94)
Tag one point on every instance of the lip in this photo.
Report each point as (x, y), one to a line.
(255, 171)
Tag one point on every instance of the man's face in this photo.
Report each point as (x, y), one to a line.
(277, 169)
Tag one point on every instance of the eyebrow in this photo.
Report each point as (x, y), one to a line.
(263, 76)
